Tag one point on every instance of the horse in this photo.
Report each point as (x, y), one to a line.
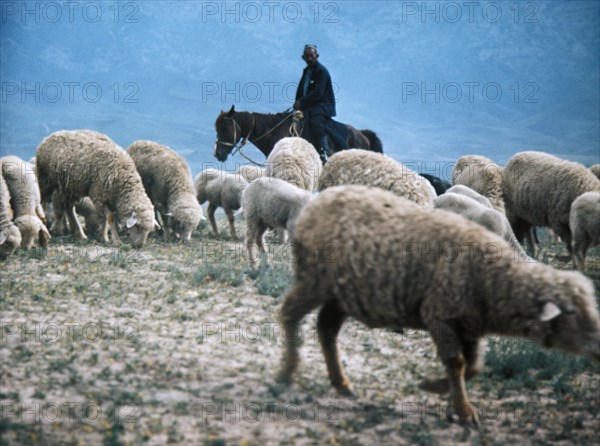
(235, 128)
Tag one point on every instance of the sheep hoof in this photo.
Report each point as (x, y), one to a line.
(345, 389)
(283, 379)
(438, 385)
(469, 417)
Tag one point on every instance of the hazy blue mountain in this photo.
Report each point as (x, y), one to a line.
(435, 80)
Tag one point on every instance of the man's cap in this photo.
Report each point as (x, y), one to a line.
(310, 46)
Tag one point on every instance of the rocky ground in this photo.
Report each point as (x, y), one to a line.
(179, 344)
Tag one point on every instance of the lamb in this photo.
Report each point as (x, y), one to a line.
(595, 169)
(296, 161)
(539, 190)
(82, 163)
(168, 182)
(10, 236)
(362, 167)
(482, 175)
(472, 286)
(220, 189)
(270, 203)
(29, 215)
(485, 215)
(584, 222)
(250, 172)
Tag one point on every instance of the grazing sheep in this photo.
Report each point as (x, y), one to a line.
(440, 185)
(296, 161)
(270, 203)
(10, 236)
(486, 216)
(220, 189)
(539, 189)
(595, 169)
(482, 175)
(168, 182)
(468, 192)
(362, 167)
(367, 254)
(29, 214)
(584, 221)
(250, 172)
(84, 163)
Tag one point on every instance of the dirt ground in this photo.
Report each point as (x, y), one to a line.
(179, 344)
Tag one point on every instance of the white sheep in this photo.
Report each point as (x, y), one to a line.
(168, 182)
(595, 169)
(485, 215)
(26, 204)
(482, 175)
(584, 221)
(296, 161)
(468, 192)
(250, 172)
(368, 254)
(84, 163)
(220, 189)
(270, 203)
(363, 167)
(10, 236)
(539, 190)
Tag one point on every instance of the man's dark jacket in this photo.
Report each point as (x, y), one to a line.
(319, 98)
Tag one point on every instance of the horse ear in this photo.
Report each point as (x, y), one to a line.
(231, 110)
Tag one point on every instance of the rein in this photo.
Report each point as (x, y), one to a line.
(237, 146)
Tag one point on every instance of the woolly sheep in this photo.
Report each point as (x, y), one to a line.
(250, 172)
(220, 189)
(468, 192)
(486, 216)
(26, 204)
(595, 169)
(362, 167)
(270, 203)
(482, 175)
(584, 222)
(10, 236)
(84, 163)
(168, 182)
(539, 189)
(365, 253)
(296, 161)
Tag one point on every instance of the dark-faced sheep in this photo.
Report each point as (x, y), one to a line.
(366, 253)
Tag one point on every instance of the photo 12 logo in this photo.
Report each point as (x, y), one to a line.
(469, 12)
(269, 12)
(71, 92)
(69, 12)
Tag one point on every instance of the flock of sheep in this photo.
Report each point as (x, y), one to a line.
(371, 239)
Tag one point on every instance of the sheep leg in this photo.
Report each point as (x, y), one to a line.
(211, 217)
(296, 305)
(229, 214)
(109, 220)
(580, 248)
(58, 208)
(330, 321)
(75, 226)
(166, 227)
(473, 352)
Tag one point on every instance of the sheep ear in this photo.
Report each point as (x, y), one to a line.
(168, 214)
(131, 221)
(549, 312)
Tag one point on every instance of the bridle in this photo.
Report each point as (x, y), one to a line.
(236, 146)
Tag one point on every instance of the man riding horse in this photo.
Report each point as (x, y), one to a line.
(316, 100)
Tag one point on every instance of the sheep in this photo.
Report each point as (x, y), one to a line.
(270, 203)
(84, 207)
(365, 253)
(595, 169)
(80, 163)
(168, 182)
(539, 189)
(296, 161)
(220, 189)
(362, 167)
(584, 222)
(10, 236)
(250, 172)
(485, 215)
(440, 185)
(29, 214)
(482, 175)
(468, 192)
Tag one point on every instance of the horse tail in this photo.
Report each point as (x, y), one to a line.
(375, 144)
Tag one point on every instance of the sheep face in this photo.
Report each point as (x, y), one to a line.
(183, 221)
(138, 227)
(32, 229)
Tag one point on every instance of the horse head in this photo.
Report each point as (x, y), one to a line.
(229, 134)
